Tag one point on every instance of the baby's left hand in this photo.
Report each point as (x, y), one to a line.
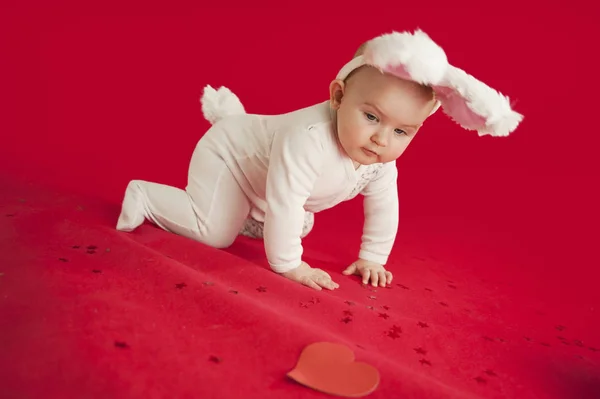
(370, 271)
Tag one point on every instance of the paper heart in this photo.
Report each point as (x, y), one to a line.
(330, 368)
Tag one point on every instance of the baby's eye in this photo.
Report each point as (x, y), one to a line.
(370, 117)
(399, 131)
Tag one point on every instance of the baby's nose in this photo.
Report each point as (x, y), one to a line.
(380, 139)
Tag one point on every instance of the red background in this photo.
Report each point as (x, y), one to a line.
(92, 98)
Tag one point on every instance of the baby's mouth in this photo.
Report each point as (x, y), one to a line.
(369, 152)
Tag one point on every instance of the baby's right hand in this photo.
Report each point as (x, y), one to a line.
(311, 277)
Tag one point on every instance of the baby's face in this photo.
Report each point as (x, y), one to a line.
(378, 114)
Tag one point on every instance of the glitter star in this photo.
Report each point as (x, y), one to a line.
(420, 351)
(393, 334)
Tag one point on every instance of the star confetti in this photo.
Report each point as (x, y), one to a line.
(393, 334)
(420, 351)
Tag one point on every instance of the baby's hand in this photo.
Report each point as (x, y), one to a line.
(311, 277)
(370, 270)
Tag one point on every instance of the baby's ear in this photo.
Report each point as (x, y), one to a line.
(336, 92)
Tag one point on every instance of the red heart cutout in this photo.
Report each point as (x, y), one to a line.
(330, 368)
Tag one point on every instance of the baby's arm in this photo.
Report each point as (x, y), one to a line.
(380, 227)
(295, 163)
(381, 211)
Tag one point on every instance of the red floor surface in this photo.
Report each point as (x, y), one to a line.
(495, 292)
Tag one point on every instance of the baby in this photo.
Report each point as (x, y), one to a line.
(266, 175)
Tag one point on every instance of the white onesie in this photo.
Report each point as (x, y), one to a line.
(273, 169)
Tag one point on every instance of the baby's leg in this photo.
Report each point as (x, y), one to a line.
(168, 207)
(211, 210)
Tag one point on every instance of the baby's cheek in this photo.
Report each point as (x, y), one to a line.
(398, 148)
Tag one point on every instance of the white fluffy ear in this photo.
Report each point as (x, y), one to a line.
(219, 104)
(476, 106)
(415, 56)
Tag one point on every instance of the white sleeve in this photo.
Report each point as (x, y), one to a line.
(381, 210)
(294, 165)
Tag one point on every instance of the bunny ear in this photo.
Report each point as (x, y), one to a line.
(469, 102)
(409, 56)
(474, 105)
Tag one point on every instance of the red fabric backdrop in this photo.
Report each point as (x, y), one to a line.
(92, 98)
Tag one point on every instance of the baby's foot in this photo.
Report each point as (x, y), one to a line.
(132, 210)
